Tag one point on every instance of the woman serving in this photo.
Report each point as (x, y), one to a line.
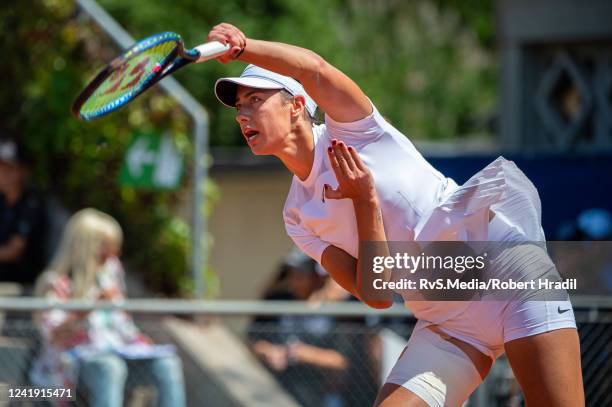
(358, 179)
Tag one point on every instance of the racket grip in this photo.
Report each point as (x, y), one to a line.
(211, 50)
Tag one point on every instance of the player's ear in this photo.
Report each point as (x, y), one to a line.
(298, 105)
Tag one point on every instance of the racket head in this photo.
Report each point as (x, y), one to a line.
(131, 73)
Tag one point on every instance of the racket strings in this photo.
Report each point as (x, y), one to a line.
(128, 79)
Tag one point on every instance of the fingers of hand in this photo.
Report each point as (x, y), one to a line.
(235, 51)
(343, 158)
(356, 159)
(333, 160)
(343, 154)
(217, 34)
(228, 34)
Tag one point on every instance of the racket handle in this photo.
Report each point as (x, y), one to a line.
(211, 50)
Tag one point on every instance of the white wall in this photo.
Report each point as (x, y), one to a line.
(247, 227)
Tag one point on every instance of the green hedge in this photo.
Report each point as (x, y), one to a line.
(423, 63)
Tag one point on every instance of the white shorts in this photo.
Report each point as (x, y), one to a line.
(442, 374)
(438, 371)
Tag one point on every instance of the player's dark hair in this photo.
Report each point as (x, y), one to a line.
(288, 97)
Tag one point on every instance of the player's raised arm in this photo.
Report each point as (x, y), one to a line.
(331, 89)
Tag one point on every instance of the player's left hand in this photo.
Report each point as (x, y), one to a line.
(355, 180)
(228, 34)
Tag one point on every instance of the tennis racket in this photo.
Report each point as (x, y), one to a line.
(136, 70)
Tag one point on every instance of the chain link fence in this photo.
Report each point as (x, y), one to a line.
(595, 330)
(280, 354)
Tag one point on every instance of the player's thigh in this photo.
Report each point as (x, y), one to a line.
(430, 372)
(547, 366)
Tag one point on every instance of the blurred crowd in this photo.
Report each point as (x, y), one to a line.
(101, 352)
(95, 351)
(22, 219)
(321, 360)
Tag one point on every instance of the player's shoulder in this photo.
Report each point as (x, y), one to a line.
(368, 127)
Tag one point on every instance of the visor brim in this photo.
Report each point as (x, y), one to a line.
(226, 88)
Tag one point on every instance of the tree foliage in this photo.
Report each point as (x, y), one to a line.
(426, 64)
(52, 53)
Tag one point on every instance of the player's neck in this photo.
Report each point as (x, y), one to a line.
(298, 153)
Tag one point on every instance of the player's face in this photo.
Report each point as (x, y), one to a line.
(264, 119)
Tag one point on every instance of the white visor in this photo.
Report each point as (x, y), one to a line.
(259, 78)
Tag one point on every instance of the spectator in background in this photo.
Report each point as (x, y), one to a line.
(97, 348)
(308, 354)
(22, 219)
(591, 224)
(590, 262)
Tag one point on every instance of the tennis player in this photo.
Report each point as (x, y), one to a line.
(358, 179)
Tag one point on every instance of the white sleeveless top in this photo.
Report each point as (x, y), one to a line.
(417, 202)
